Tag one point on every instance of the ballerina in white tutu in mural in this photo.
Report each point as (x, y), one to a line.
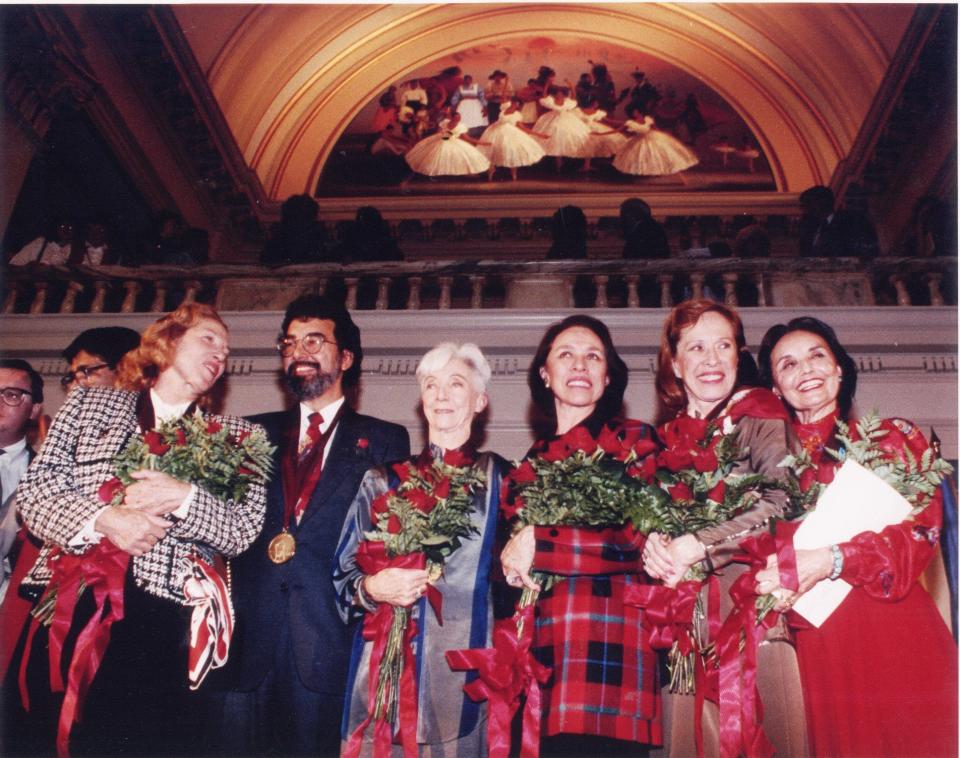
(602, 143)
(566, 133)
(448, 152)
(649, 151)
(510, 143)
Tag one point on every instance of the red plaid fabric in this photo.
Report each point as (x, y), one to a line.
(605, 679)
(604, 673)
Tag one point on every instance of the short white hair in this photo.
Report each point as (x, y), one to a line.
(467, 352)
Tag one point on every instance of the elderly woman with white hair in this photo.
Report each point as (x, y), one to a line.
(453, 382)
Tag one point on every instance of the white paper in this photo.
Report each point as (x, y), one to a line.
(855, 501)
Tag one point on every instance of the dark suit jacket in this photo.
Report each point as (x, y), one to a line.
(299, 594)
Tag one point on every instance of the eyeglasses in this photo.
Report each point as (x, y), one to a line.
(85, 371)
(312, 343)
(13, 395)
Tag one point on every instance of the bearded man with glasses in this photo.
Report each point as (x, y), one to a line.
(288, 664)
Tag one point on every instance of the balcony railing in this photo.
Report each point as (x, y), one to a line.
(487, 284)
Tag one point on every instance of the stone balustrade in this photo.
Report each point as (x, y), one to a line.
(418, 285)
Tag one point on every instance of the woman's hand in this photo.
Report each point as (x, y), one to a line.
(396, 586)
(812, 566)
(155, 492)
(657, 561)
(669, 559)
(134, 532)
(517, 559)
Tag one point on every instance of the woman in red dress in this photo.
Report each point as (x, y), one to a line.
(880, 674)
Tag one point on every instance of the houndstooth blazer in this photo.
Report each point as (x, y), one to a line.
(57, 495)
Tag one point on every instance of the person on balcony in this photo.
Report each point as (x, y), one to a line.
(299, 237)
(56, 249)
(829, 233)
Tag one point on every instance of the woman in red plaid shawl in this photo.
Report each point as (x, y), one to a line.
(604, 683)
(702, 367)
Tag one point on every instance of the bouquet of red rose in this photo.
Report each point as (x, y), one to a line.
(579, 480)
(696, 469)
(418, 524)
(575, 480)
(191, 449)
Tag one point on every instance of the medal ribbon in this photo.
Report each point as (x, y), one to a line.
(300, 477)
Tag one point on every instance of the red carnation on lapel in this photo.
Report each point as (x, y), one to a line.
(155, 443)
(363, 443)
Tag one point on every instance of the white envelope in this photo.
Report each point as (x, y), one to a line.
(855, 501)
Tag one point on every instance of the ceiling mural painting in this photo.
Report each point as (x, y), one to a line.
(297, 83)
(368, 157)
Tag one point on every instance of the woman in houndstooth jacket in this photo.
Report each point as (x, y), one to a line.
(139, 700)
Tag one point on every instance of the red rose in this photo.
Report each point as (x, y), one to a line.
(393, 524)
(524, 473)
(379, 504)
(644, 470)
(705, 461)
(442, 490)
(213, 427)
(363, 443)
(580, 439)
(807, 478)
(610, 442)
(644, 447)
(456, 458)
(155, 443)
(402, 470)
(718, 492)
(109, 489)
(680, 491)
(511, 505)
(244, 471)
(181, 437)
(825, 474)
(675, 460)
(422, 501)
(557, 450)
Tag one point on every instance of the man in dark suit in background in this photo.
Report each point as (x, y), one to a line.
(829, 233)
(288, 661)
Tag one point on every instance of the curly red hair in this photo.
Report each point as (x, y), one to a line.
(138, 370)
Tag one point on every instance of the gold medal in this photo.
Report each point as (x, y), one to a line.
(282, 547)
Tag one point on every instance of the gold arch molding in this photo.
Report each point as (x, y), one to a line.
(290, 79)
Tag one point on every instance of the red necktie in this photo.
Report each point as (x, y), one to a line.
(313, 434)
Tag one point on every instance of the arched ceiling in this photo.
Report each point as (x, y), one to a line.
(290, 78)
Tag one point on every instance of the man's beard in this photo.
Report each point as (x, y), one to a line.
(305, 388)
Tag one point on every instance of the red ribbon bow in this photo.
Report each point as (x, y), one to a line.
(372, 558)
(506, 672)
(102, 570)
